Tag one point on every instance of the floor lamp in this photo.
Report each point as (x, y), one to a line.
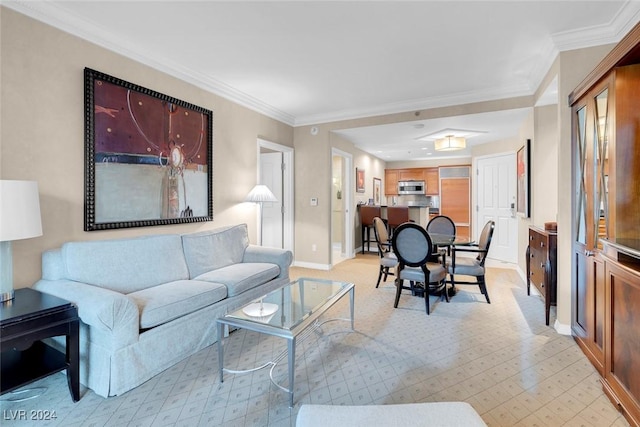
(19, 219)
(260, 194)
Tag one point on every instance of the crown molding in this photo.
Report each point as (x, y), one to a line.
(612, 32)
(56, 15)
(416, 105)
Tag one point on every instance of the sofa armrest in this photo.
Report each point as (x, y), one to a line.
(110, 314)
(281, 257)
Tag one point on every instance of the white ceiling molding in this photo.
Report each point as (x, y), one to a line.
(417, 105)
(57, 15)
(612, 32)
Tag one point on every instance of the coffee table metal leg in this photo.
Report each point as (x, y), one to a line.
(292, 361)
(220, 350)
(351, 304)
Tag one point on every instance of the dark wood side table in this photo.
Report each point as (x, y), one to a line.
(542, 265)
(26, 320)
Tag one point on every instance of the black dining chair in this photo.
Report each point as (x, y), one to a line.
(441, 224)
(472, 266)
(413, 248)
(388, 259)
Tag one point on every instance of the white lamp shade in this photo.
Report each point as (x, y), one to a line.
(450, 143)
(19, 210)
(259, 194)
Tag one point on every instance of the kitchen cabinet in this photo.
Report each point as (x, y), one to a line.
(606, 227)
(414, 174)
(430, 176)
(390, 182)
(455, 197)
(432, 181)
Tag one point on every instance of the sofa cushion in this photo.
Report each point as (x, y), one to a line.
(126, 265)
(239, 278)
(210, 250)
(162, 303)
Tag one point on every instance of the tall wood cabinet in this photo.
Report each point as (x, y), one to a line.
(455, 197)
(606, 222)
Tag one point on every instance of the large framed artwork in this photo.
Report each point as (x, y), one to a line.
(148, 156)
(523, 170)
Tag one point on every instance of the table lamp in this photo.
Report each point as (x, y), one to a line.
(260, 194)
(19, 219)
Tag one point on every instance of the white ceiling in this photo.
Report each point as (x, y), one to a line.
(313, 62)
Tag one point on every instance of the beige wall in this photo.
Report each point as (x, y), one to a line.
(573, 68)
(41, 138)
(42, 135)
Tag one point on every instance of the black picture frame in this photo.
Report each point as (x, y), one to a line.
(523, 172)
(148, 156)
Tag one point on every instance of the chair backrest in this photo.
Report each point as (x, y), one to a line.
(485, 240)
(412, 244)
(441, 224)
(367, 213)
(381, 233)
(397, 215)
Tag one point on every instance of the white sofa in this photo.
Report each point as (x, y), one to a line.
(147, 303)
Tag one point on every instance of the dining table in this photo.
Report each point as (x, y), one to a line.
(446, 241)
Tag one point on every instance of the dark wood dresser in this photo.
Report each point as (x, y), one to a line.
(541, 265)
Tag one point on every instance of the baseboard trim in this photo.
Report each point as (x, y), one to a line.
(312, 265)
(561, 328)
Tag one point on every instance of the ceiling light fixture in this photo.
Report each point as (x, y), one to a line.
(450, 143)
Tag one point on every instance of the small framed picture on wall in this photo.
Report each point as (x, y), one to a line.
(359, 180)
(377, 189)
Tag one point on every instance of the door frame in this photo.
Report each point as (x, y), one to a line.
(287, 189)
(348, 204)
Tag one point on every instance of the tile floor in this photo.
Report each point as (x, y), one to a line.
(501, 358)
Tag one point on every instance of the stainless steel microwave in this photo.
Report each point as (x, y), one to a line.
(411, 187)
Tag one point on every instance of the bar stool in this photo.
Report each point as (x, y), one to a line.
(367, 213)
(396, 215)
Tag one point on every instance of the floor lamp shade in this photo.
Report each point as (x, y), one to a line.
(19, 219)
(260, 194)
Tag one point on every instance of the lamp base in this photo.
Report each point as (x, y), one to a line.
(6, 271)
(7, 296)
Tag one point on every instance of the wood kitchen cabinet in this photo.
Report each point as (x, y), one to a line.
(413, 174)
(542, 266)
(430, 176)
(432, 181)
(606, 222)
(390, 182)
(455, 197)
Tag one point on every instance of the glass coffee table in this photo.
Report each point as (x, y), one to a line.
(291, 312)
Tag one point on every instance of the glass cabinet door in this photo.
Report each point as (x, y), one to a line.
(581, 176)
(600, 168)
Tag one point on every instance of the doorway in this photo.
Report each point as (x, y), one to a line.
(275, 170)
(341, 216)
(495, 200)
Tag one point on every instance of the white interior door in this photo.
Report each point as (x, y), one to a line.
(345, 226)
(496, 198)
(272, 212)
